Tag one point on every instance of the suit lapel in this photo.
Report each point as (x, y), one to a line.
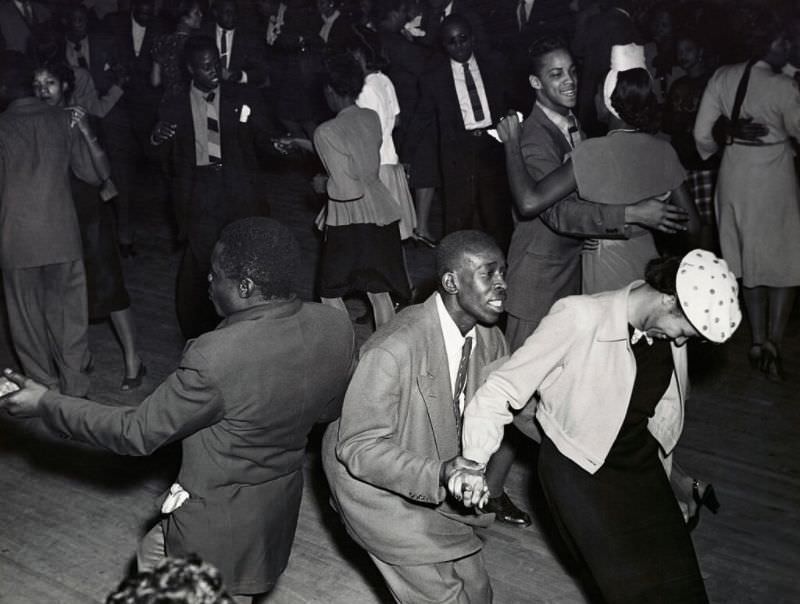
(558, 137)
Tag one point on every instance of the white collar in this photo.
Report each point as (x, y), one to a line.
(471, 62)
(559, 120)
(790, 70)
(450, 330)
(332, 17)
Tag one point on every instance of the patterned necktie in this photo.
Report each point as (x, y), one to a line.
(461, 380)
(474, 97)
(214, 140)
(574, 131)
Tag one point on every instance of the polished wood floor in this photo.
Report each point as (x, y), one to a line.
(70, 516)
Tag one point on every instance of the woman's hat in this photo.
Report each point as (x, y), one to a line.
(708, 295)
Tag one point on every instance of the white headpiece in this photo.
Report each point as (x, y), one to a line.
(623, 58)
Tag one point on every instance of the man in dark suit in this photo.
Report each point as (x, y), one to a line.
(17, 20)
(436, 11)
(243, 54)
(398, 441)
(463, 94)
(242, 401)
(210, 137)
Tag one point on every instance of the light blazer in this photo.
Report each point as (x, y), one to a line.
(382, 460)
(544, 263)
(580, 361)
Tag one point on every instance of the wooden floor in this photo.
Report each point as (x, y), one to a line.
(70, 516)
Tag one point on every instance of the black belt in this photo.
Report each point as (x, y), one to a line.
(209, 167)
(477, 132)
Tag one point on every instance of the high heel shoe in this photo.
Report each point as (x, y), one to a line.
(754, 355)
(708, 499)
(131, 383)
(771, 363)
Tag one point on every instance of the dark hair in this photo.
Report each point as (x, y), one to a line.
(344, 75)
(454, 19)
(264, 250)
(174, 581)
(368, 43)
(634, 101)
(451, 249)
(761, 28)
(181, 9)
(661, 274)
(196, 44)
(542, 47)
(62, 72)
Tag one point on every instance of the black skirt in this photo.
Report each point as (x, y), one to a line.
(363, 258)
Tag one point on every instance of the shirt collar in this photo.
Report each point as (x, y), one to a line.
(471, 62)
(450, 331)
(561, 121)
(276, 309)
(615, 325)
(201, 94)
(332, 17)
(136, 24)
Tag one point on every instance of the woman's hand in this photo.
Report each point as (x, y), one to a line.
(80, 117)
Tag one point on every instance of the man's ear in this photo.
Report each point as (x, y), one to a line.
(535, 82)
(246, 287)
(450, 283)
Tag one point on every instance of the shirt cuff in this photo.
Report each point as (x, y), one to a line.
(243, 79)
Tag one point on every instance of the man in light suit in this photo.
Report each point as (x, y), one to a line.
(389, 458)
(242, 401)
(214, 174)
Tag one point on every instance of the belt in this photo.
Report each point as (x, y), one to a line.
(216, 167)
(477, 131)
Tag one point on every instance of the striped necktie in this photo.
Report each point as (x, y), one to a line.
(474, 97)
(461, 380)
(214, 140)
(574, 131)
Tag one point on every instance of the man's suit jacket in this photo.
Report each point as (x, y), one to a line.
(242, 143)
(248, 53)
(242, 401)
(14, 30)
(102, 57)
(544, 262)
(383, 458)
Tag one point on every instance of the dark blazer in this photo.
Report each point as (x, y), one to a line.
(242, 402)
(248, 53)
(15, 33)
(544, 261)
(242, 143)
(382, 459)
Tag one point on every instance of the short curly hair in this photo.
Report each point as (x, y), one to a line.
(344, 75)
(451, 249)
(540, 48)
(174, 581)
(263, 250)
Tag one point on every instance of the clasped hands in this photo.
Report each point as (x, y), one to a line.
(466, 482)
(20, 395)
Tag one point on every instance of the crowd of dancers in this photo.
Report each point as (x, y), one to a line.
(612, 177)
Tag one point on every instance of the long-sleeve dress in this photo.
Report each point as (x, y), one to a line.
(757, 192)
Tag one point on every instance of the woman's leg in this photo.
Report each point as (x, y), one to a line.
(122, 320)
(781, 300)
(382, 307)
(755, 302)
(424, 199)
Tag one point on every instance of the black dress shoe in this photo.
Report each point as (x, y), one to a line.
(505, 510)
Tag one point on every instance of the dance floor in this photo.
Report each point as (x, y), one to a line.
(70, 516)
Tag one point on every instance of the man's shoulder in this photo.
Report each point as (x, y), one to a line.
(408, 329)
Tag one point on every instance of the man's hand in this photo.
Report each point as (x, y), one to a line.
(509, 128)
(657, 215)
(744, 128)
(163, 132)
(25, 401)
(466, 482)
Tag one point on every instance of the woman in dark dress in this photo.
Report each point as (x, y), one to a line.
(53, 84)
(611, 372)
(169, 70)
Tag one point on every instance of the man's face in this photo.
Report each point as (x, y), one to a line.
(76, 23)
(204, 68)
(226, 14)
(222, 291)
(689, 54)
(556, 84)
(481, 285)
(457, 41)
(671, 324)
(143, 13)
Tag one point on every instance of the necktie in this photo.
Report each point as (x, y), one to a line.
(573, 130)
(79, 54)
(474, 97)
(461, 380)
(214, 140)
(223, 47)
(521, 15)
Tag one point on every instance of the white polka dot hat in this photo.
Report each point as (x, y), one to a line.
(709, 295)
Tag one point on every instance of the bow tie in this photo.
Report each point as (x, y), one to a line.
(638, 335)
(210, 97)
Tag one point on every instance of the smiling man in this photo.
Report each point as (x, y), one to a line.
(242, 402)
(389, 458)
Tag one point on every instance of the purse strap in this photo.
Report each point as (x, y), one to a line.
(741, 91)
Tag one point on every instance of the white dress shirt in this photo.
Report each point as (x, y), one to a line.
(562, 122)
(276, 24)
(463, 95)
(197, 99)
(76, 50)
(453, 343)
(327, 24)
(138, 33)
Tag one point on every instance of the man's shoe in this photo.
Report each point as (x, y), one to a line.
(505, 510)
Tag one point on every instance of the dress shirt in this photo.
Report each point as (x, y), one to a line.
(448, 10)
(200, 122)
(453, 343)
(138, 33)
(226, 58)
(76, 50)
(561, 122)
(276, 24)
(463, 95)
(327, 24)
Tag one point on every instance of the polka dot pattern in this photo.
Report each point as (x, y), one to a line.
(713, 312)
